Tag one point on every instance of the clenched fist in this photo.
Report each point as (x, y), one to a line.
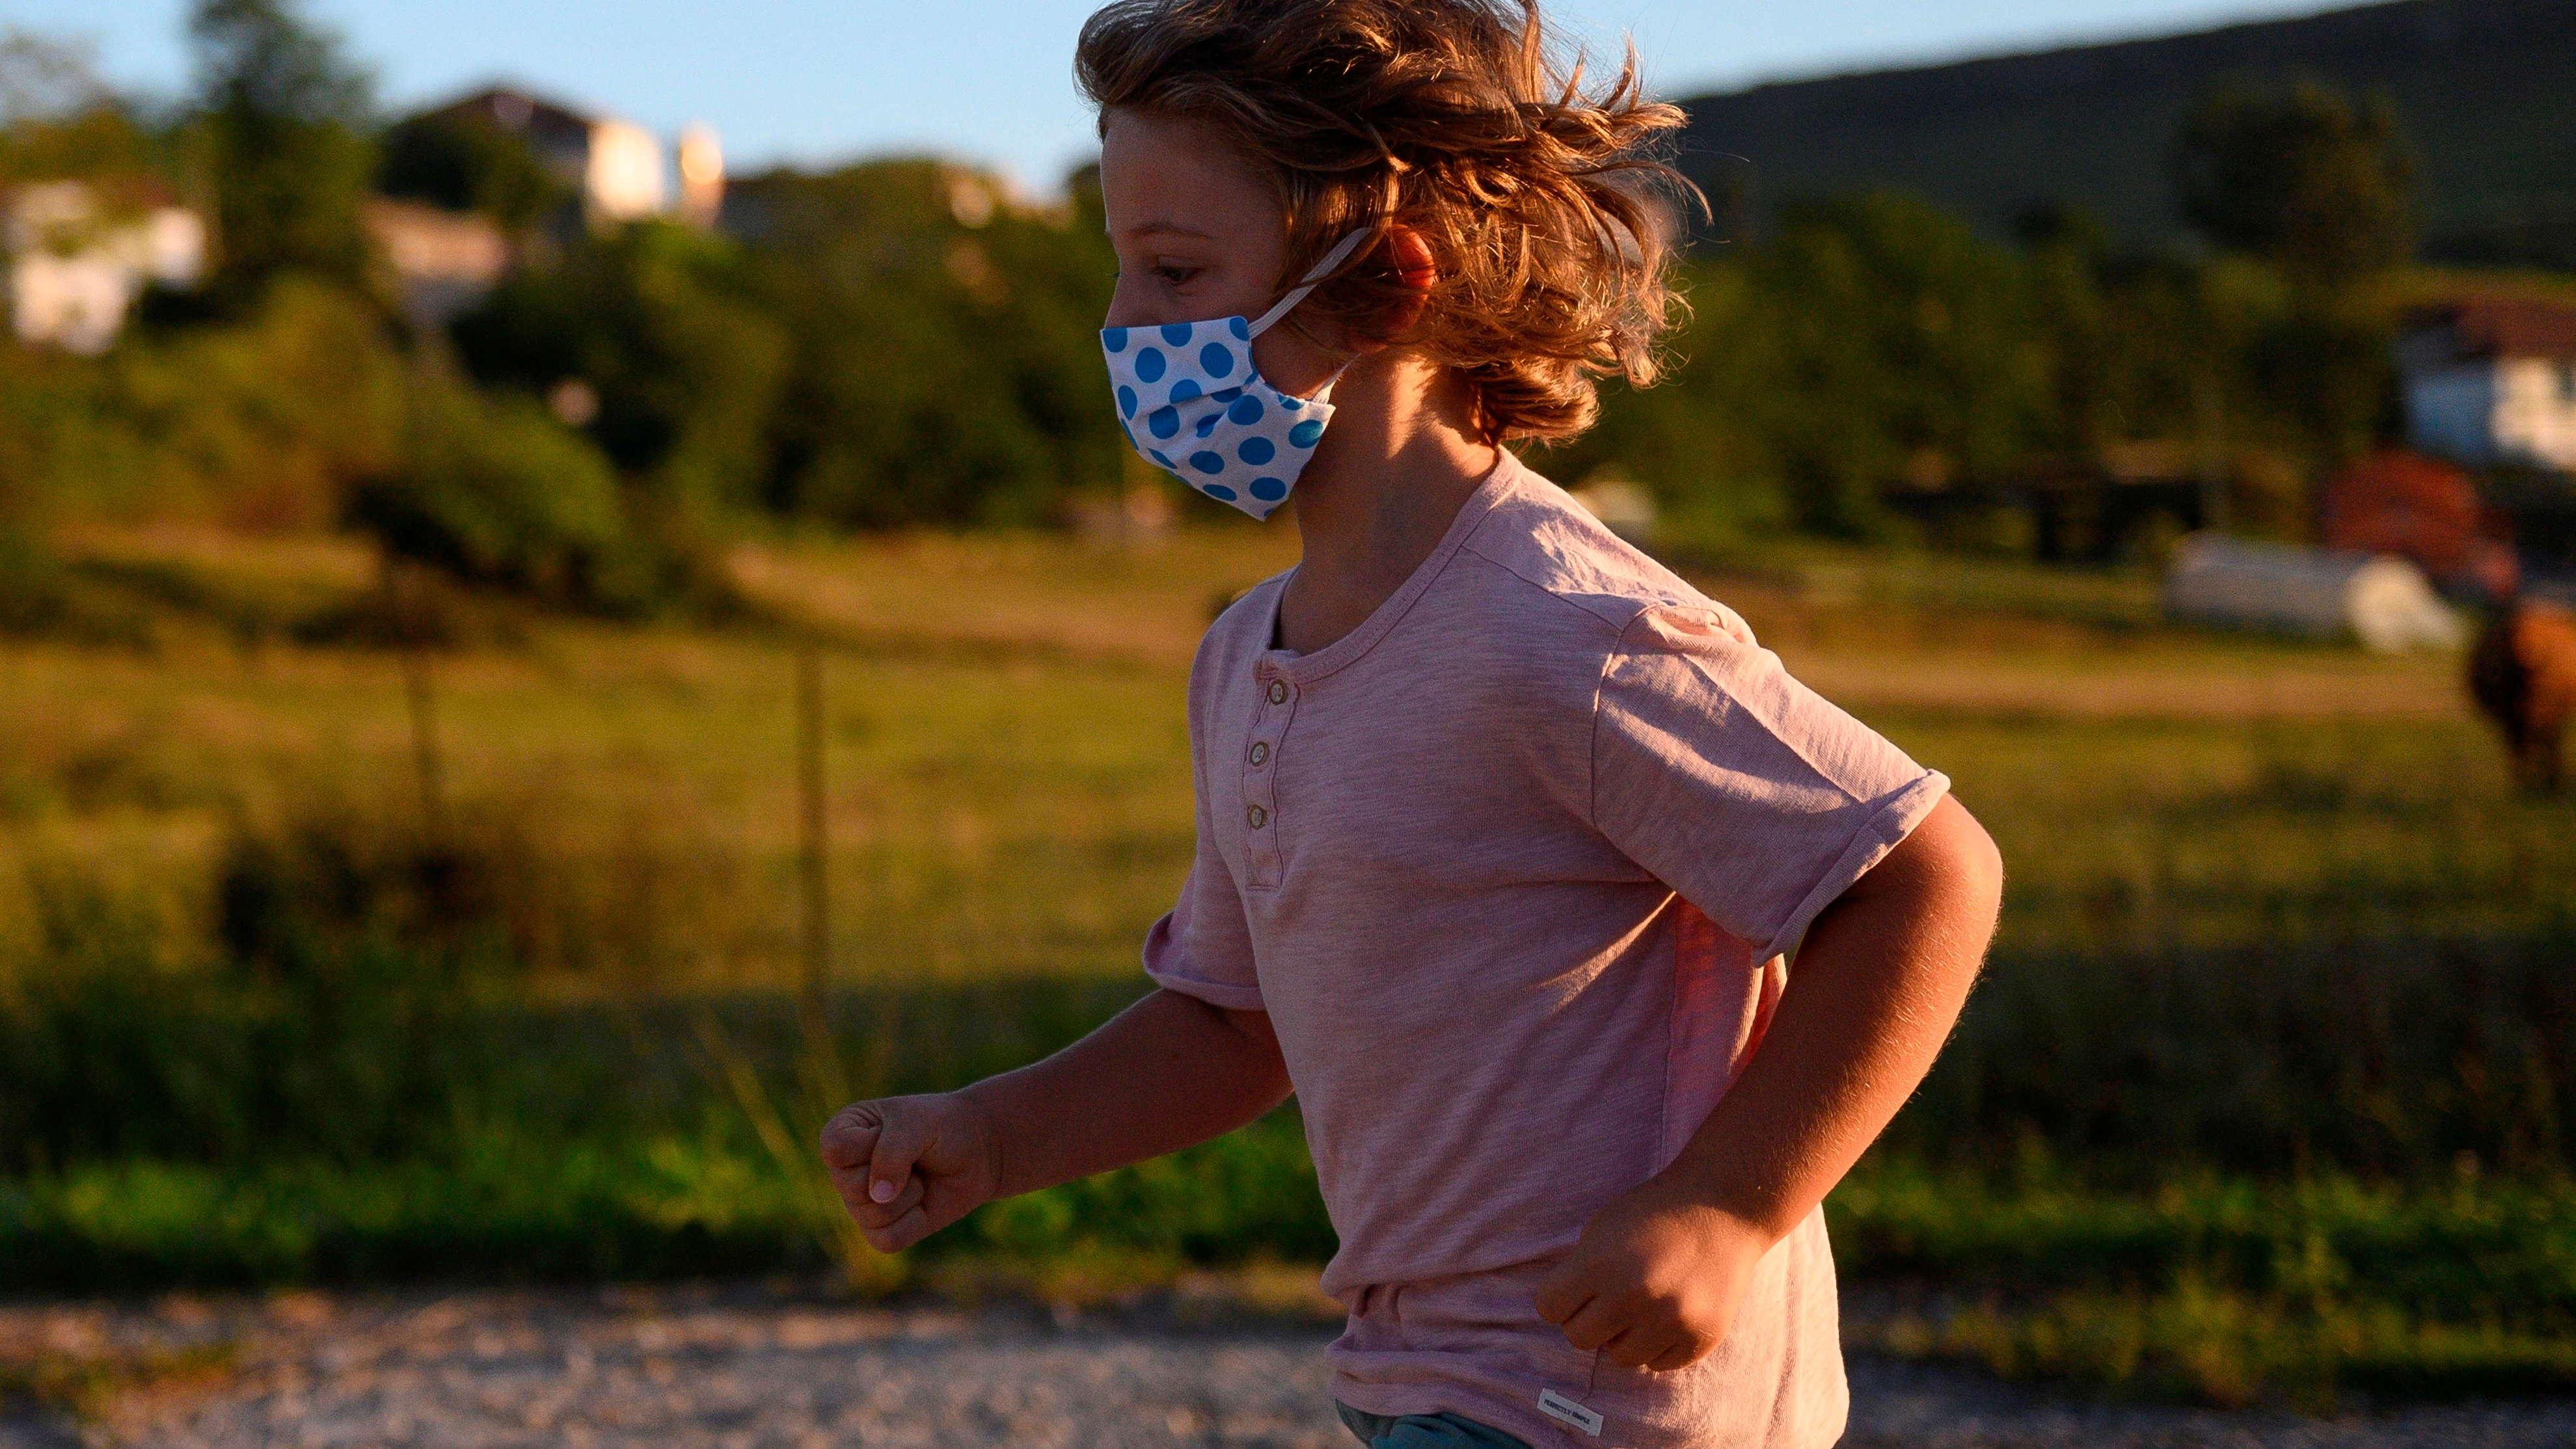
(1653, 1282)
(908, 1166)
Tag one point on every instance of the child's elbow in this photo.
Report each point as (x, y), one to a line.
(1971, 866)
(1949, 865)
(1984, 862)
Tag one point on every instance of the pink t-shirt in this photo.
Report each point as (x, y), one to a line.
(1511, 867)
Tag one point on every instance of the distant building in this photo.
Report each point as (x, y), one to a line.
(77, 264)
(2492, 381)
(444, 261)
(702, 175)
(618, 167)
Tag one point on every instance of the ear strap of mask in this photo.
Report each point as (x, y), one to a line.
(1314, 276)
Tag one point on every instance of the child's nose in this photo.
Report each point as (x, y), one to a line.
(1126, 310)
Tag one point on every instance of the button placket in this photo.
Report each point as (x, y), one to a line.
(1275, 702)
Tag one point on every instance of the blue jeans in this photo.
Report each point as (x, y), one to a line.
(1422, 1431)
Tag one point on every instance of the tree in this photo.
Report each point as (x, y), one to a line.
(2303, 179)
(1909, 351)
(946, 343)
(286, 118)
(468, 164)
(2321, 191)
(652, 323)
(1871, 345)
(493, 489)
(43, 78)
(59, 122)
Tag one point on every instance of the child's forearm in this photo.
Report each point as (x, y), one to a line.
(1877, 986)
(1165, 1073)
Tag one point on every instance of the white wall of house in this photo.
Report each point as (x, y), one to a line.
(444, 262)
(2535, 416)
(623, 179)
(73, 272)
(75, 303)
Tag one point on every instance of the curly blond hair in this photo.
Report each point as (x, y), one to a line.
(1544, 208)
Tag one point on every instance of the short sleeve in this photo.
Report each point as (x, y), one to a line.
(1202, 947)
(1739, 787)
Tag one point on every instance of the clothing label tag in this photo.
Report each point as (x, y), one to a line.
(1558, 1406)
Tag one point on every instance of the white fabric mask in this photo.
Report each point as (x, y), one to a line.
(1193, 405)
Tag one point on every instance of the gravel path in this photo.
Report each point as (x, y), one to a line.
(740, 1368)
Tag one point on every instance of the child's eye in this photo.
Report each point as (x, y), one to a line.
(1175, 275)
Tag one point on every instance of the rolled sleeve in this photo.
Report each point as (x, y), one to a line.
(1750, 794)
(1201, 947)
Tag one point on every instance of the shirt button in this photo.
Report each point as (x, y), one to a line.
(1258, 816)
(1260, 752)
(1279, 691)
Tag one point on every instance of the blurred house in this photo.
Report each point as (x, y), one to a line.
(2492, 380)
(77, 263)
(2381, 600)
(444, 262)
(446, 259)
(702, 175)
(616, 166)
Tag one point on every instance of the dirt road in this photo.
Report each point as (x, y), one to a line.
(745, 1368)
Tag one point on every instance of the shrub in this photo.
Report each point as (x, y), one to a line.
(494, 490)
(265, 423)
(683, 372)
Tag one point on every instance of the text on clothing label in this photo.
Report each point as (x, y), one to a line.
(1558, 1406)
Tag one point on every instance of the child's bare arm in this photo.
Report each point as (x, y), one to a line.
(1165, 1073)
(1656, 1278)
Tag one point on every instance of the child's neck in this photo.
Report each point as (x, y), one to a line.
(1391, 473)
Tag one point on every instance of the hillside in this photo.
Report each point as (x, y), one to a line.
(2483, 87)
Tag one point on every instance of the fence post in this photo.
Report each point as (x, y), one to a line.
(414, 632)
(813, 841)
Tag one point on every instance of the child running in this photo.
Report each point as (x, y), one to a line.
(1505, 833)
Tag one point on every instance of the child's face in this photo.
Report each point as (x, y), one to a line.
(1198, 236)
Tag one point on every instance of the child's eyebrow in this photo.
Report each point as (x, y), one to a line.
(1160, 226)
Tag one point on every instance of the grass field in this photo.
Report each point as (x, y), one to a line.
(2274, 1039)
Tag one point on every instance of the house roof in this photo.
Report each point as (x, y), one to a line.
(516, 110)
(2493, 327)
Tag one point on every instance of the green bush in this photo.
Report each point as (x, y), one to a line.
(262, 423)
(945, 341)
(683, 369)
(469, 164)
(494, 490)
(1872, 344)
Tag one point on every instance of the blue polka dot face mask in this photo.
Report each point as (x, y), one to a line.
(1193, 406)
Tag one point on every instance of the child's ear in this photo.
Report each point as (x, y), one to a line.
(1408, 256)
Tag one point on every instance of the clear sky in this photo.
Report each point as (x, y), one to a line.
(988, 80)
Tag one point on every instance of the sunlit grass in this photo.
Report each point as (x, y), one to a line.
(1009, 766)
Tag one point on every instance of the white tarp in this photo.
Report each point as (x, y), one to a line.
(2282, 588)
